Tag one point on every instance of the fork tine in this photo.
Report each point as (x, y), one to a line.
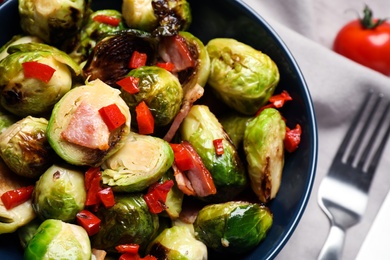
(373, 137)
(348, 136)
(359, 140)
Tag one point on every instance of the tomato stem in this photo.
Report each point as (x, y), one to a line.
(367, 21)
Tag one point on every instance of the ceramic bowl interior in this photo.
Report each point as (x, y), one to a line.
(232, 18)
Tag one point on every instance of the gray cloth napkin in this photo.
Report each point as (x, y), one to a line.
(337, 86)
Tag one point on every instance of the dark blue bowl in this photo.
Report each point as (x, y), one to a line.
(231, 18)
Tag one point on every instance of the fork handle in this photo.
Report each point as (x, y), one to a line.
(334, 244)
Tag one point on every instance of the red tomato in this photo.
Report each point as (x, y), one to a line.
(366, 41)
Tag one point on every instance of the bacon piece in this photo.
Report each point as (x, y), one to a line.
(87, 128)
(183, 182)
(174, 49)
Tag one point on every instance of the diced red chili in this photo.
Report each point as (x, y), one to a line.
(128, 248)
(218, 145)
(101, 18)
(129, 84)
(169, 66)
(89, 175)
(156, 196)
(34, 69)
(92, 193)
(182, 157)
(279, 100)
(137, 60)
(293, 138)
(129, 256)
(112, 116)
(13, 198)
(145, 118)
(106, 196)
(88, 221)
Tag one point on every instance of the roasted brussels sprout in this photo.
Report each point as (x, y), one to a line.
(264, 150)
(55, 239)
(160, 90)
(178, 242)
(12, 219)
(76, 130)
(25, 149)
(59, 193)
(243, 77)
(201, 128)
(232, 227)
(128, 221)
(53, 21)
(6, 119)
(27, 232)
(93, 31)
(17, 39)
(23, 94)
(162, 17)
(139, 163)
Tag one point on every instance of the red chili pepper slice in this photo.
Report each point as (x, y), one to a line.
(169, 66)
(145, 118)
(112, 116)
(156, 196)
(137, 60)
(88, 221)
(129, 84)
(89, 175)
(101, 18)
(128, 248)
(106, 196)
(293, 138)
(279, 100)
(33, 69)
(218, 145)
(13, 198)
(92, 193)
(182, 157)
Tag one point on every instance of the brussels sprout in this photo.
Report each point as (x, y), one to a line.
(12, 219)
(201, 128)
(128, 221)
(243, 77)
(25, 96)
(92, 32)
(17, 39)
(109, 60)
(162, 17)
(77, 132)
(177, 242)
(264, 150)
(161, 91)
(6, 119)
(234, 226)
(139, 163)
(234, 124)
(27, 232)
(53, 21)
(55, 239)
(59, 193)
(25, 149)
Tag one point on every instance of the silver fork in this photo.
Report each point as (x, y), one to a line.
(343, 193)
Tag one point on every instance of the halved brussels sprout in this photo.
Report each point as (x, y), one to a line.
(139, 163)
(12, 219)
(25, 149)
(234, 226)
(25, 96)
(160, 90)
(164, 17)
(128, 221)
(77, 132)
(177, 242)
(59, 193)
(243, 77)
(55, 239)
(201, 128)
(53, 21)
(17, 39)
(264, 150)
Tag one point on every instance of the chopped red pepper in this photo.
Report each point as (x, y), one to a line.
(92, 193)
(156, 196)
(129, 84)
(106, 196)
(112, 116)
(89, 175)
(279, 100)
(88, 221)
(127, 248)
(13, 198)
(137, 60)
(183, 158)
(130, 256)
(101, 18)
(293, 138)
(34, 69)
(218, 145)
(145, 118)
(169, 66)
